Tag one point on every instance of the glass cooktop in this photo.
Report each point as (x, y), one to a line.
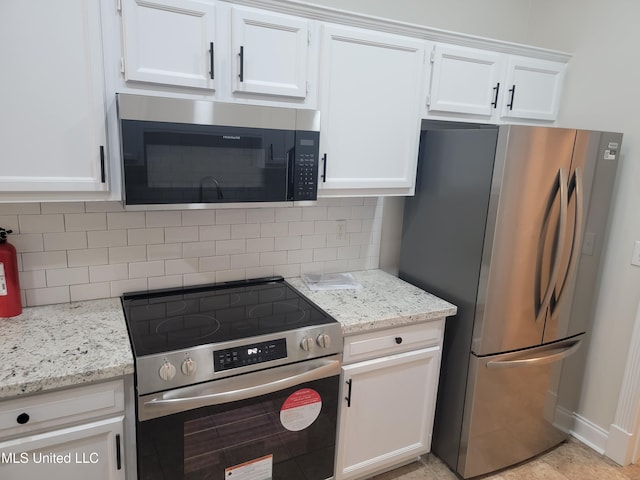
(165, 320)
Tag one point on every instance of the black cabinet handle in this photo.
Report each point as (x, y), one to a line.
(324, 168)
(22, 418)
(496, 89)
(211, 58)
(513, 93)
(103, 173)
(241, 55)
(398, 340)
(118, 454)
(348, 397)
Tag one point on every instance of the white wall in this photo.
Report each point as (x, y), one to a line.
(601, 92)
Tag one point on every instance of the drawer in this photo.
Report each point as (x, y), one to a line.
(392, 340)
(48, 410)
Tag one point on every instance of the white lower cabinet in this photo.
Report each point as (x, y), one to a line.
(67, 435)
(388, 402)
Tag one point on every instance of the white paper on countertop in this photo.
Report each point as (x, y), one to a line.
(330, 281)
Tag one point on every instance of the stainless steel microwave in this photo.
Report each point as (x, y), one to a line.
(180, 153)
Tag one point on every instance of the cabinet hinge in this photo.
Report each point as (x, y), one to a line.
(119, 5)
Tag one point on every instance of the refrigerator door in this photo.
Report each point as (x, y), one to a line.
(591, 182)
(526, 228)
(511, 403)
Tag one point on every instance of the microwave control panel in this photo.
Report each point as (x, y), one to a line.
(305, 171)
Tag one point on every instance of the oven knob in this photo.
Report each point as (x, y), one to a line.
(189, 366)
(307, 343)
(324, 340)
(167, 371)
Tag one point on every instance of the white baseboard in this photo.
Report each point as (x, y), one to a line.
(590, 434)
(620, 445)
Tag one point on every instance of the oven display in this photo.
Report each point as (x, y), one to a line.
(249, 354)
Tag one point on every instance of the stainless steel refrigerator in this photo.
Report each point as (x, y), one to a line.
(508, 223)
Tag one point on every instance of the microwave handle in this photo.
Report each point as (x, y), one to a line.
(291, 155)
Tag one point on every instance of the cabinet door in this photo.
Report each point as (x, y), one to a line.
(465, 80)
(52, 120)
(533, 88)
(386, 415)
(170, 42)
(269, 53)
(89, 451)
(370, 90)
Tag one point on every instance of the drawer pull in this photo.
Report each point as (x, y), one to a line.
(348, 397)
(22, 418)
(398, 340)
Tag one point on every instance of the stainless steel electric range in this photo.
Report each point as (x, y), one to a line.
(234, 380)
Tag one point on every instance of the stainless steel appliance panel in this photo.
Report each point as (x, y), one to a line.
(512, 399)
(520, 262)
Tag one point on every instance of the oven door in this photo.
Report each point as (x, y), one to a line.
(275, 424)
(175, 163)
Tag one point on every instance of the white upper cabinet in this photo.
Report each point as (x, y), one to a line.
(370, 92)
(169, 42)
(52, 120)
(268, 53)
(465, 80)
(533, 88)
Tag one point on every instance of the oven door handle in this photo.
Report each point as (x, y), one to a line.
(237, 388)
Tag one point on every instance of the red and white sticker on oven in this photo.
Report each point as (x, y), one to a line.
(300, 409)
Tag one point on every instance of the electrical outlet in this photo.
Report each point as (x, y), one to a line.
(635, 259)
(341, 229)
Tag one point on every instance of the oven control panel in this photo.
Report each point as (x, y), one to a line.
(249, 354)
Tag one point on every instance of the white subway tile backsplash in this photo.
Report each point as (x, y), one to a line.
(119, 287)
(146, 269)
(62, 207)
(44, 260)
(164, 219)
(145, 236)
(261, 215)
(19, 208)
(245, 260)
(260, 245)
(231, 216)
(67, 276)
(90, 291)
(107, 273)
(27, 242)
(288, 243)
(164, 251)
(199, 249)
(107, 238)
(47, 296)
(170, 281)
(211, 264)
(65, 241)
(32, 279)
(181, 266)
(82, 222)
(135, 253)
(181, 234)
(82, 251)
(41, 223)
(88, 257)
(120, 220)
(10, 222)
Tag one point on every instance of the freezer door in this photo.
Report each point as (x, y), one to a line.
(510, 407)
(526, 228)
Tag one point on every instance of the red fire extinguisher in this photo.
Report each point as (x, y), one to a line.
(10, 304)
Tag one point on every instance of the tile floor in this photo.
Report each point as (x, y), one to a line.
(570, 461)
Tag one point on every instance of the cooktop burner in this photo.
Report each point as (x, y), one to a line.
(165, 320)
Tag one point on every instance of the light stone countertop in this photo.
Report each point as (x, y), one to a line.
(383, 301)
(71, 344)
(56, 346)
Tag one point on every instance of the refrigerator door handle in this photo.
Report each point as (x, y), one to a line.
(575, 187)
(542, 356)
(562, 227)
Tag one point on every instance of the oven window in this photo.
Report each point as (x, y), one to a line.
(259, 438)
(177, 163)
